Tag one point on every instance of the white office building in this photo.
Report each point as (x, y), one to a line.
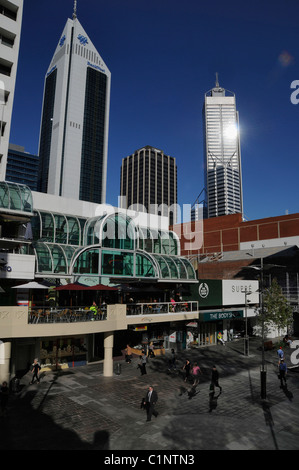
(11, 13)
(222, 156)
(75, 119)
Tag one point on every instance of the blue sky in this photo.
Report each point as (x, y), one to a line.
(163, 56)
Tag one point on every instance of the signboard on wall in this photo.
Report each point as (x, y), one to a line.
(233, 292)
(172, 337)
(207, 292)
(15, 266)
(226, 315)
(214, 292)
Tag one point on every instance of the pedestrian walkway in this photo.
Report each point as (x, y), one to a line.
(80, 409)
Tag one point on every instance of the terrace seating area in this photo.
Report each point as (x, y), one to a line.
(161, 307)
(65, 315)
(82, 314)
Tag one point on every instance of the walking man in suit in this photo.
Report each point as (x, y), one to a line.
(149, 403)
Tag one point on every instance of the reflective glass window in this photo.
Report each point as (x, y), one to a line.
(61, 229)
(189, 268)
(87, 262)
(74, 231)
(117, 263)
(173, 244)
(156, 241)
(47, 227)
(36, 226)
(26, 195)
(174, 274)
(164, 268)
(59, 259)
(15, 197)
(92, 231)
(144, 266)
(119, 232)
(4, 195)
(147, 241)
(181, 269)
(44, 260)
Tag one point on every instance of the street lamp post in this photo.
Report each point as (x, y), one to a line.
(263, 367)
(246, 337)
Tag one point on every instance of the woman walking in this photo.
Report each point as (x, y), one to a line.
(187, 368)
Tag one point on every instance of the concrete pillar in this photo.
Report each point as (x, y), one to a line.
(108, 354)
(5, 352)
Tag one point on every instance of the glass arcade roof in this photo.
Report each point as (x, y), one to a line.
(111, 245)
(15, 197)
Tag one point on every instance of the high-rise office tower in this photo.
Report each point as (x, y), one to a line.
(149, 181)
(222, 155)
(11, 13)
(75, 118)
(22, 167)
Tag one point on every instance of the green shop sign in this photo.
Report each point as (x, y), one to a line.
(208, 293)
(226, 315)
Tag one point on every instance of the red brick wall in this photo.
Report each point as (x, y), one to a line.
(227, 232)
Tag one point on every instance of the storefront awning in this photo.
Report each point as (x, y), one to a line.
(78, 286)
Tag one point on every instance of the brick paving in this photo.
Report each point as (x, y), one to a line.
(82, 410)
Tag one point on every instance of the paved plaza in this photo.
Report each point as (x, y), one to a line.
(80, 409)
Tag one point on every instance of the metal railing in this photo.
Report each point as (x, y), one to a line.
(64, 315)
(37, 315)
(161, 308)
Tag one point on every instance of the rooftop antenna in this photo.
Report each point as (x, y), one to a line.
(75, 10)
(217, 82)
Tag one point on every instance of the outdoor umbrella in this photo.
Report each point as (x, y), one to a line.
(102, 287)
(78, 286)
(72, 286)
(30, 285)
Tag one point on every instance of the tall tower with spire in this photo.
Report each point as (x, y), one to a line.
(222, 154)
(73, 142)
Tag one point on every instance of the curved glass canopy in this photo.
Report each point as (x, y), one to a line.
(100, 261)
(158, 241)
(52, 258)
(57, 228)
(112, 231)
(15, 197)
(110, 245)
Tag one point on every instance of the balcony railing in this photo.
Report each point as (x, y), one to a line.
(46, 315)
(64, 315)
(161, 308)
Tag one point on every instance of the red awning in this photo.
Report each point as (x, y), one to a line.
(78, 286)
(74, 286)
(101, 287)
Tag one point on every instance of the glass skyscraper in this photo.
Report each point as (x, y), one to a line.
(222, 155)
(149, 182)
(75, 119)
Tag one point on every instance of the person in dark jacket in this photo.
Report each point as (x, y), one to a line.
(187, 368)
(215, 378)
(282, 373)
(4, 394)
(35, 371)
(150, 401)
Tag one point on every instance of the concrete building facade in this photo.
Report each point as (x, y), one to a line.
(11, 13)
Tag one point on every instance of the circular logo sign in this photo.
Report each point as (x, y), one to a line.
(203, 290)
